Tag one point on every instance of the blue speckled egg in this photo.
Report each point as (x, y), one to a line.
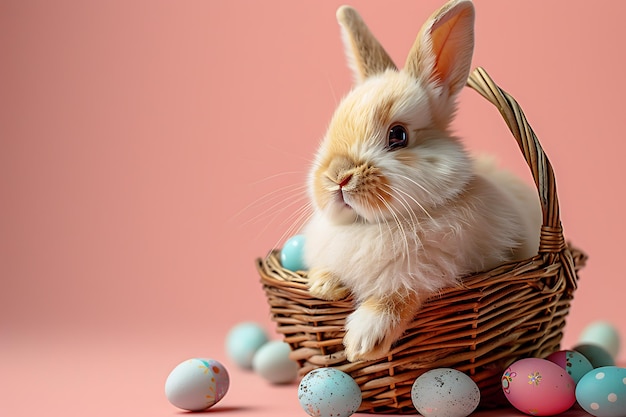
(602, 392)
(575, 363)
(292, 254)
(445, 392)
(326, 392)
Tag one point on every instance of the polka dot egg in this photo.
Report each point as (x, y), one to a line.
(602, 392)
(329, 392)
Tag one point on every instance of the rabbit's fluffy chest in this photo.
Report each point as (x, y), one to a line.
(381, 258)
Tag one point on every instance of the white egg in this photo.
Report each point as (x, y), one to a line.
(242, 342)
(197, 384)
(272, 362)
(445, 392)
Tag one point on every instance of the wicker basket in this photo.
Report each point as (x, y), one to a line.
(494, 318)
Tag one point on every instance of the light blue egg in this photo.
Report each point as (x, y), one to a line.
(603, 334)
(326, 392)
(292, 254)
(242, 342)
(602, 392)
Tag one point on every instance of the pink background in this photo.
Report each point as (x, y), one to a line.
(151, 150)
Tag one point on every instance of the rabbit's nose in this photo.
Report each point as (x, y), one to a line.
(345, 180)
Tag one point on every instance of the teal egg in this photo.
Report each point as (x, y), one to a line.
(243, 341)
(292, 254)
(602, 392)
(597, 355)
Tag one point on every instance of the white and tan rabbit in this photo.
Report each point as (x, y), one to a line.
(400, 208)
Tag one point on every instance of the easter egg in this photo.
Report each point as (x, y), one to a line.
(197, 384)
(538, 387)
(445, 392)
(603, 334)
(292, 254)
(602, 392)
(575, 363)
(597, 355)
(272, 362)
(242, 342)
(326, 392)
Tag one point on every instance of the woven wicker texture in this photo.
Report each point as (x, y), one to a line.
(480, 327)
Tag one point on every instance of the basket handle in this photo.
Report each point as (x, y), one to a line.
(552, 242)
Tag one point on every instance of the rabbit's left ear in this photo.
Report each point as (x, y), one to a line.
(442, 52)
(366, 56)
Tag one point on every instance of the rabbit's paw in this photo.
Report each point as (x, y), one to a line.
(326, 286)
(370, 334)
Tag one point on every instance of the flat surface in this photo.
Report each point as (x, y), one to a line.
(98, 376)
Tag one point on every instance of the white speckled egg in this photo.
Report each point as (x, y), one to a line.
(197, 384)
(603, 334)
(575, 363)
(445, 392)
(272, 362)
(242, 342)
(329, 392)
(602, 392)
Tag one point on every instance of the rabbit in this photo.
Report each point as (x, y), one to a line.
(400, 209)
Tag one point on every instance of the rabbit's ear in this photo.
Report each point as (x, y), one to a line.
(366, 56)
(442, 52)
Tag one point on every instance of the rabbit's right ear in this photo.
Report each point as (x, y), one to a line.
(365, 54)
(442, 52)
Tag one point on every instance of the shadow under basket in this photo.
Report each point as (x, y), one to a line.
(480, 327)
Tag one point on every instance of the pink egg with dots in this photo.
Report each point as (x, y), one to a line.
(538, 387)
(575, 363)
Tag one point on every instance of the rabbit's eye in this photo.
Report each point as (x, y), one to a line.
(397, 137)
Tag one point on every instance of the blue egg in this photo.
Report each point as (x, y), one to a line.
(292, 254)
(602, 392)
(242, 342)
(326, 392)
